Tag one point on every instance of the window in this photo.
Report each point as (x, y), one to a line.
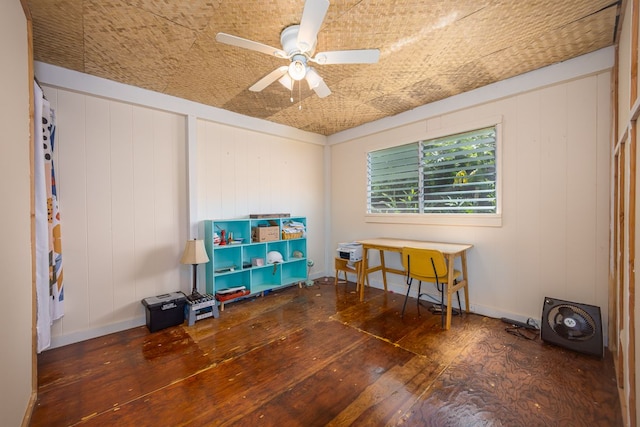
(455, 174)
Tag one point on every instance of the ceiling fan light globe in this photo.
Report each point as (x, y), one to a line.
(313, 78)
(297, 70)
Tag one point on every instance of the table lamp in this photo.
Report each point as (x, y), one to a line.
(194, 254)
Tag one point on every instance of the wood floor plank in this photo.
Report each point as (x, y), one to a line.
(316, 356)
(387, 399)
(520, 383)
(241, 386)
(105, 372)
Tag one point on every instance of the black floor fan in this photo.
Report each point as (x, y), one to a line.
(572, 325)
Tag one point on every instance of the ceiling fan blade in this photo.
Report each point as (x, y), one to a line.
(268, 79)
(357, 56)
(249, 44)
(310, 23)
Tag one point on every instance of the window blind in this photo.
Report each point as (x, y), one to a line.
(451, 174)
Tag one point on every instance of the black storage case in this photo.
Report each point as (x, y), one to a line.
(164, 310)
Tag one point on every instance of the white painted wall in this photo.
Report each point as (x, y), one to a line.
(555, 179)
(242, 172)
(121, 175)
(15, 227)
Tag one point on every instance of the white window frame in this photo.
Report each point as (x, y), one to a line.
(481, 220)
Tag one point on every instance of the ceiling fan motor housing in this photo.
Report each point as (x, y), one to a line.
(289, 42)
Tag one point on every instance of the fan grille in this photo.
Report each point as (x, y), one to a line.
(571, 322)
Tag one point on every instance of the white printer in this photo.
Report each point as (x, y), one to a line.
(350, 251)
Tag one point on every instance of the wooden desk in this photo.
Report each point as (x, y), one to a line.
(450, 250)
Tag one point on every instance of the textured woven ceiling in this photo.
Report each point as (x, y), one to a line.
(429, 49)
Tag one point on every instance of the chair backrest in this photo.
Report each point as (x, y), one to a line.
(418, 263)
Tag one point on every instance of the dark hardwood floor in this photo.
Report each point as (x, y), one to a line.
(317, 356)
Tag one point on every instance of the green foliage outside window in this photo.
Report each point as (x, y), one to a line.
(455, 174)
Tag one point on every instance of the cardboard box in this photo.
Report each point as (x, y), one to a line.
(265, 234)
(165, 310)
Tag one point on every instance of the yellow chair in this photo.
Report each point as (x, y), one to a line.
(429, 265)
(344, 266)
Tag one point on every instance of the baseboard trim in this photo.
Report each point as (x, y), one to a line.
(28, 413)
(474, 308)
(87, 334)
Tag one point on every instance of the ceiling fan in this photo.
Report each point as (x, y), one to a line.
(298, 46)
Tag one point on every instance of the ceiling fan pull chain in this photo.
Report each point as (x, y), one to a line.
(300, 95)
(293, 86)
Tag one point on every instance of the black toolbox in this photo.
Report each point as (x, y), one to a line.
(164, 310)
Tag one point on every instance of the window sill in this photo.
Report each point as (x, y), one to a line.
(491, 220)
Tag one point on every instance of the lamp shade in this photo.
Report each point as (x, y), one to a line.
(194, 253)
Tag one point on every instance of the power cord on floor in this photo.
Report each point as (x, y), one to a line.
(529, 330)
(521, 332)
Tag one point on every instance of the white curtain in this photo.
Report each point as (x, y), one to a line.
(49, 284)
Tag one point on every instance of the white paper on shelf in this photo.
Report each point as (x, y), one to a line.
(231, 290)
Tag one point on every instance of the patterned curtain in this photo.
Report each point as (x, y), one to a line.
(49, 285)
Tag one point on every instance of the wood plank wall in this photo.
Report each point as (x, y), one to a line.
(633, 130)
(625, 213)
(32, 215)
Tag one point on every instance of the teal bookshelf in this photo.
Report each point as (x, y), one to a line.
(237, 264)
